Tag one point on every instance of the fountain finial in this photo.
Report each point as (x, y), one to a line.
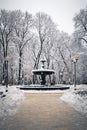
(42, 61)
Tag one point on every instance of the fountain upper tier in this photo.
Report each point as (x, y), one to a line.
(43, 72)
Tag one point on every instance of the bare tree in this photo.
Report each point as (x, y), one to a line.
(44, 31)
(80, 20)
(6, 28)
(22, 35)
(63, 55)
(80, 43)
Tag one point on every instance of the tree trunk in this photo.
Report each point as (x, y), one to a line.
(20, 67)
(4, 73)
(68, 70)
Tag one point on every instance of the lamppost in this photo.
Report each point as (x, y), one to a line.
(74, 60)
(6, 79)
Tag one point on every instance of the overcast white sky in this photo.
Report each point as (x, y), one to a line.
(61, 11)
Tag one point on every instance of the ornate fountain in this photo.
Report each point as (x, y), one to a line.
(42, 72)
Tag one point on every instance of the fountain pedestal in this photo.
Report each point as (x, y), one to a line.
(43, 79)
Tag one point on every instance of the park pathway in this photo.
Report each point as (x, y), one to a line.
(44, 111)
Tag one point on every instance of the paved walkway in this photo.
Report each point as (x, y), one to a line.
(44, 112)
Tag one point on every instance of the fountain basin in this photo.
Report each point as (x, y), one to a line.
(42, 87)
(43, 71)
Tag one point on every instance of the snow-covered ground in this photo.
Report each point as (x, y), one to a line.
(9, 104)
(77, 98)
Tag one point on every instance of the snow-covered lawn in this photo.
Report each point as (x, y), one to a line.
(77, 98)
(10, 103)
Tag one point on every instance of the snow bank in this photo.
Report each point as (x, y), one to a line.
(10, 103)
(77, 98)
